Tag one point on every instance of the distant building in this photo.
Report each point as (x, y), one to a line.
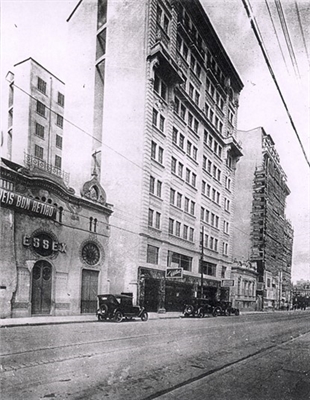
(262, 234)
(152, 105)
(54, 243)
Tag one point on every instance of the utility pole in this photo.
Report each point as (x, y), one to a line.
(201, 262)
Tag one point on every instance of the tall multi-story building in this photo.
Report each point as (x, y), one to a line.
(152, 102)
(35, 117)
(262, 234)
(53, 241)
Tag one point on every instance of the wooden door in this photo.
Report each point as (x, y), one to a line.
(41, 288)
(89, 291)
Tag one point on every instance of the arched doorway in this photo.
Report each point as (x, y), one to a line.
(41, 288)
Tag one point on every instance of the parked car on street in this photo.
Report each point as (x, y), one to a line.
(226, 308)
(116, 307)
(198, 307)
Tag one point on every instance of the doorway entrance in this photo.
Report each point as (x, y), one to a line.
(41, 288)
(89, 291)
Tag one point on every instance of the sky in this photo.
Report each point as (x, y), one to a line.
(37, 29)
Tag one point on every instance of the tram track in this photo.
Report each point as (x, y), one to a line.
(218, 369)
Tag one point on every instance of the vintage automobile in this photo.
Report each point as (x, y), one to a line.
(198, 307)
(225, 308)
(116, 307)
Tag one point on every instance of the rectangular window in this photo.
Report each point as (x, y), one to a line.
(204, 162)
(185, 232)
(162, 123)
(152, 254)
(59, 121)
(179, 200)
(172, 196)
(154, 118)
(202, 213)
(192, 208)
(159, 186)
(61, 99)
(186, 205)
(189, 148)
(174, 136)
(58, 162)
(173, 165)
(183, 112)
(157, 220)
(152, 184)
(153, 150)
(38, 151)
(207, 216)
(41, 85)
(190, 120)
(191, 234)
(195, 151)
(150, 218)
(203, 187)
(40, 131)
(208, 190)
(194, 179)
(208, 268)
(180, 170)
(188, 175)
(196, 126)
(178, 229)
(171, 223)
(181, 260)
(176, 105)
(40, 108)
(181, 141)
(58, 142)
(160, 155)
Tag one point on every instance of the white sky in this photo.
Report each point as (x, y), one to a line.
(37, 29)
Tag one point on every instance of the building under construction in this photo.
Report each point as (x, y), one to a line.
(262, 234)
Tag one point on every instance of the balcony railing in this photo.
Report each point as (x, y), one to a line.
(35, 162)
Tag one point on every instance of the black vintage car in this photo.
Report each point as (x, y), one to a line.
(198, 307)
(116, 307)
(226, 308)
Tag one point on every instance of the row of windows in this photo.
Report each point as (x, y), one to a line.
(214, 94)
(162, 19)
(157, 152)
(154, 219)
(175, 229)
(184, 51)
(41, 86)
(209, 242)
(158, 120)
(182, 111)
(179, 139)
(211, 168)
(210, 192)
(213, 118)
(40, 132)
(41, 109)
(209, 217)
(176, 199)
(173, 259)
(39, 153)
(212, 144)
(155, 186)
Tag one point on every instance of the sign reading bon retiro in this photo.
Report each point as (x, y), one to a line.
(18, 201)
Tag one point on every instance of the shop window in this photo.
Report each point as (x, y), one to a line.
(179, 260)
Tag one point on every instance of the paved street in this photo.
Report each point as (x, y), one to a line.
(257, 356)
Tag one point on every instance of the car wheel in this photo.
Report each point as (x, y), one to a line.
(188, 310)
(144, 316)
(200, 313)
(216, 312)
(118, 317)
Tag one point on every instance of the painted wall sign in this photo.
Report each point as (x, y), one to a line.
(44, 244)
(17, 201)
(227, 282)
(174, 273)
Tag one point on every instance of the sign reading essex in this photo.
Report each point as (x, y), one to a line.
(174, 273)
(18, 201)
(43, 244)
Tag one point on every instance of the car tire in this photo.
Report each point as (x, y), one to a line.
(144, 316)
(200, 313)
(188, 310)
(118, 316)
(216, 312)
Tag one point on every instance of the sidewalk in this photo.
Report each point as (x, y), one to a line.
(70, 319)
(73, 319)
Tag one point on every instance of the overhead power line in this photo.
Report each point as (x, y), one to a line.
(287, 37)
(302, 32)
(256, 33)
